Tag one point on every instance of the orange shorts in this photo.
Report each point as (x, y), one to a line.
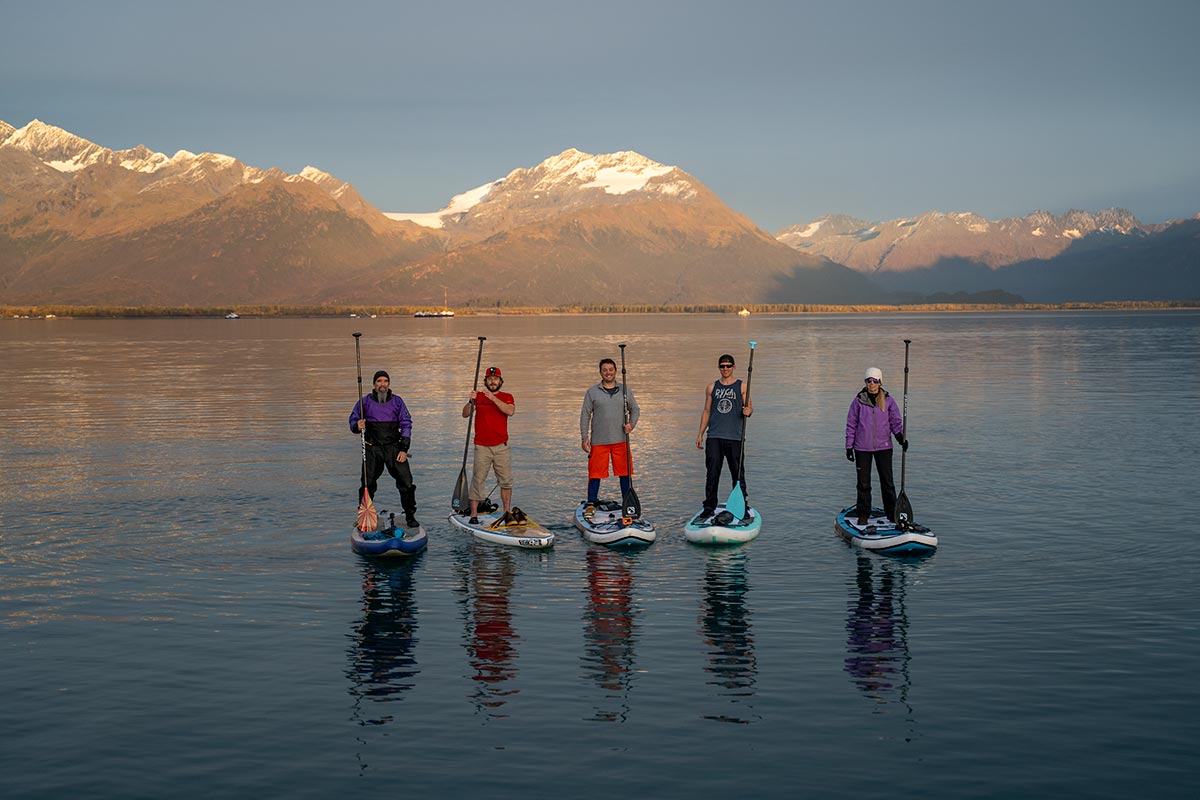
(603, 453)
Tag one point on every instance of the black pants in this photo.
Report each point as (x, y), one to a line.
(883, 465)
(717, 451)
(380, 456)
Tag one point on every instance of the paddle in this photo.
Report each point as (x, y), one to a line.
(736, 504)
(368, 519)
(904, 512)
(631, 506)
(460, 501)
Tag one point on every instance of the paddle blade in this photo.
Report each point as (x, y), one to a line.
(736, 504)
(631, 506)
(460, 501)
(368, 518)
(904, 512)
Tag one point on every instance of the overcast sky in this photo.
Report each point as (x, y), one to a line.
(787, 110)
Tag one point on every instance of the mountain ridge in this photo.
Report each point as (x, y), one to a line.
(126, 227)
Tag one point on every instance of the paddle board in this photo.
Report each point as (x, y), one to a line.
(607, 527)
(392, 541)
(705, 529)
(880, 535)
(529, 535)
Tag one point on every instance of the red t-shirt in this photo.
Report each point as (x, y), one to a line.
(491, 424)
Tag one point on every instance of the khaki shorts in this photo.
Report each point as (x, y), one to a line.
(490, 458)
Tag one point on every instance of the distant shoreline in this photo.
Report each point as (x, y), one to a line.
(178, 312)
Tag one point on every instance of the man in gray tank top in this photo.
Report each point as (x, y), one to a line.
(725, 408)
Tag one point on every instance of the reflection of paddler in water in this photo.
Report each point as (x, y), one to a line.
(725, 627)
(487, 582)
(609, 634)
(877, 630)
(382, 662)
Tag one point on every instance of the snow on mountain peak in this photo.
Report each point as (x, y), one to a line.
(564, 180)
(459, 205)
(615, 173)
(319, 177)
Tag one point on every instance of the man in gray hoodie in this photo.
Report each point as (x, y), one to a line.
(603, 429)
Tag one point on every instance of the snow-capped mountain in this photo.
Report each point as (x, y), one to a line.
(607, 228)
(929, 239)
(564, 182)
(81, 223)
(84, 224)
(144, 173)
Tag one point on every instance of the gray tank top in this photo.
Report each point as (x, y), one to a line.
(725, 414)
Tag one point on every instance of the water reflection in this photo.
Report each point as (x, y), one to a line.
(485, 588)
(877, 658)
(383, 665)
(726, 629)
(609, 634)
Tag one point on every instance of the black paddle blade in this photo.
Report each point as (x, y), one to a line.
(904, 512)
(460, 502)
(631, 506)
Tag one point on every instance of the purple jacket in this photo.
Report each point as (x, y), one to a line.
(387, 423)
(868, 428)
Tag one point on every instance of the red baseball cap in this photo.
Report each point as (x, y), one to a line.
(492, 371)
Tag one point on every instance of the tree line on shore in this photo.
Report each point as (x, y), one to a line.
(133, 312)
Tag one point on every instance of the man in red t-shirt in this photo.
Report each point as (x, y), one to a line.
(492, 410)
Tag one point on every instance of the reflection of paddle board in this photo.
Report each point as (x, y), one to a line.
(880, 535)
(607, 527)
(704, 529)
(530, 535)
(393, 541)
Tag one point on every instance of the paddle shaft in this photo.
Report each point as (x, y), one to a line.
(362, 434)
(474, 388)
(745, 419)
(631, 505)
(904, 416)
(625, 419)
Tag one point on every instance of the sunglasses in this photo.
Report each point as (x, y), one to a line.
(725, 366)
(872, 380)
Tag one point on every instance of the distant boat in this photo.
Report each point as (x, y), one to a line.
(745, 312)
(233, 315)
(445, 312)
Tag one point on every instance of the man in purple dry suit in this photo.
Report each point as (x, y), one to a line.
(388, 428)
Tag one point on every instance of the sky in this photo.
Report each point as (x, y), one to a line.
(787, 110)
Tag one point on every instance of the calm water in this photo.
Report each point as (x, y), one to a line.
(181, 615)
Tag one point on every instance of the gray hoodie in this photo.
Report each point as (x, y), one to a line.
(602, 412)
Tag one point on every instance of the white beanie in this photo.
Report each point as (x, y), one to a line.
(875, 373)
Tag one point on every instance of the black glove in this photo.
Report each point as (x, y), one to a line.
(850, 454)
(903, 442)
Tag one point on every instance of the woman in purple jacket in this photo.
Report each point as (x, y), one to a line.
(870, 424)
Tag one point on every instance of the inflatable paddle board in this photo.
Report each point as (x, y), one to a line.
(704, 529)
(490, 528)
(880, 534)
(606, 526)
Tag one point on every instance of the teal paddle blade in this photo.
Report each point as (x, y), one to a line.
(736, 504)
